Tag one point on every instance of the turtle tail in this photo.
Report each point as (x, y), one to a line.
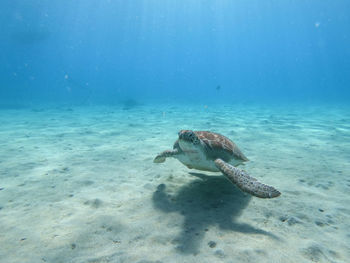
(245, 182)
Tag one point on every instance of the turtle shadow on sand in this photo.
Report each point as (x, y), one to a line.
(205, 202)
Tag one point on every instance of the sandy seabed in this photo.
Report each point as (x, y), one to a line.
(79, 185)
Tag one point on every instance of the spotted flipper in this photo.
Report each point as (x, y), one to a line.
(160, 158)
(245, 182)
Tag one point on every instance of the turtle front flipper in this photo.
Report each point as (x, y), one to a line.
(245, 182)
(160, 158)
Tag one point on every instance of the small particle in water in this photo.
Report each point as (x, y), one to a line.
(64, 170)
(96, 203)
(314, 253)
(317, 24)
(293, 220)
(283, 218)
(73, 246)
(220, 253)
(330, 221)
(319, 223)
(212, 244)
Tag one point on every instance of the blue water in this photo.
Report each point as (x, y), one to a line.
(91, 91)
(86, 52)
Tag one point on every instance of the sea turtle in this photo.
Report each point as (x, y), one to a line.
(209, 151)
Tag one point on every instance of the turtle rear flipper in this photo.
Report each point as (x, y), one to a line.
(245, 182)
(160, 158)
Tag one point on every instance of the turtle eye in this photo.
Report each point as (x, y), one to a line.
(192, 136)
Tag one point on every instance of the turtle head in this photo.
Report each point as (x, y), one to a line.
(189, 136)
